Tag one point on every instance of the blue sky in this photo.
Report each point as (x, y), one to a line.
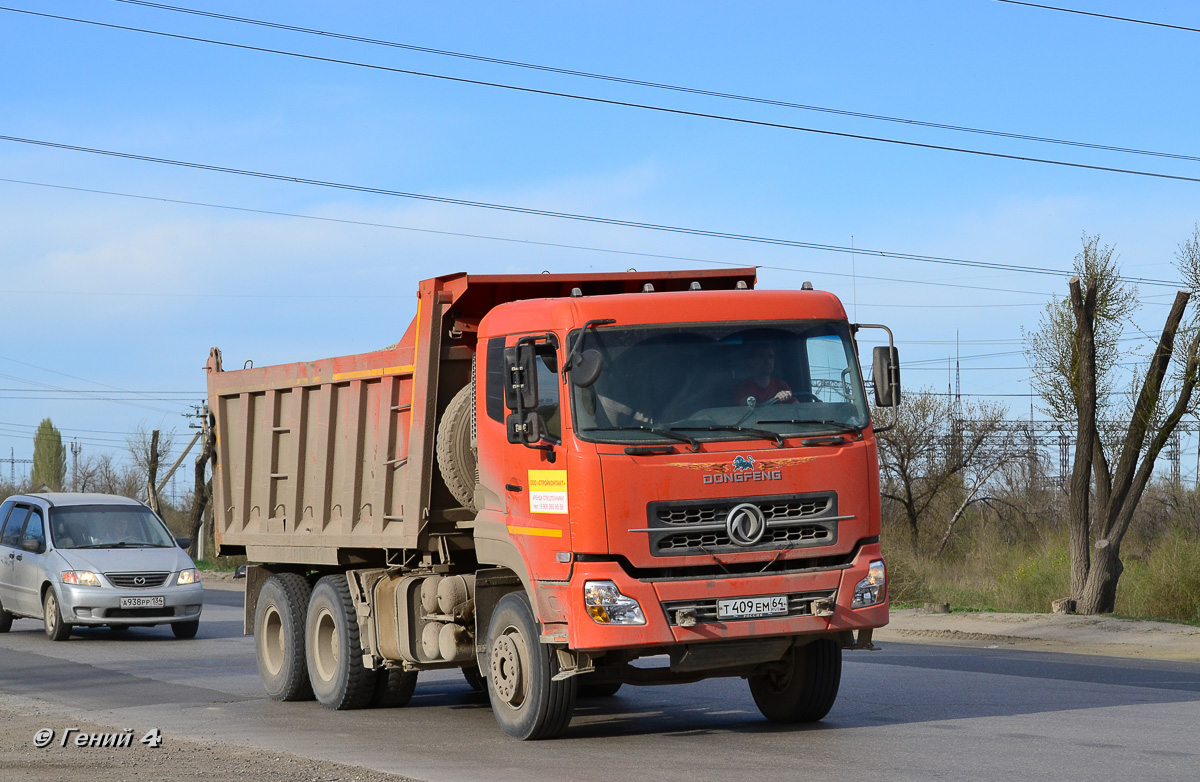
(105, 292)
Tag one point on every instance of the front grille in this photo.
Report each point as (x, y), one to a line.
(799, 604)
(138, 613)
(130, 580)
(698, 526)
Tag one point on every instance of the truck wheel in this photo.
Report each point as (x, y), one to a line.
(185, 630)
(56, 628)
(805, 689)
(474, 678)
(393, 688)
(525, 700)
(455, 457)
(279, 637)
(335, 664)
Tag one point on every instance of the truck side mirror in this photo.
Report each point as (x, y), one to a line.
(885, 362)
(586, 369)
(520, 377)
(524, 427)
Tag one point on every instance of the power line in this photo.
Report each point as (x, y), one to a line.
(563, 215)
(653, 84)
(459, 234)
(1098, 15)
(626, 104)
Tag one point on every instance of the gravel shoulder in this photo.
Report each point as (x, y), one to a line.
(1098, 635)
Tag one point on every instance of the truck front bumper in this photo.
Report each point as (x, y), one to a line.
(819, 602)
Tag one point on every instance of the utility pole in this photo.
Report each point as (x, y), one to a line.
(76, 449)
(12, 466)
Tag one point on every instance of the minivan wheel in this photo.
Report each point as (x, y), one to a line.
(56, 628)
(6, 619)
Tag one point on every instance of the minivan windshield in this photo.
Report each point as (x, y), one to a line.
(761, 380)
(107, 526)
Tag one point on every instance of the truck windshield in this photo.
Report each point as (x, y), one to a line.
(721, 382)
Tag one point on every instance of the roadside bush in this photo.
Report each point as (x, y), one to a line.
(1041, 577)
(1165, 584)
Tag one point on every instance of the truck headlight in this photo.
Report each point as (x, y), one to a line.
(872, 589)
(81, 578)
(189, 576)
(607, 606)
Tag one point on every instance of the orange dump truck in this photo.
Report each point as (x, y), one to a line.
(551, 476)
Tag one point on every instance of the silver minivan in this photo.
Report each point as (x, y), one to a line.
(93, 559)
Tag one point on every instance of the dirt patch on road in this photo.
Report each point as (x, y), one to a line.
(1102, 635)
(175, 760)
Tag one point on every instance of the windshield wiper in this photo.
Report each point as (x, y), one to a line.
(691, 441)
(857, 430)
(778, 438)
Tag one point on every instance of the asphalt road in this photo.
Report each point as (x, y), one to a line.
(909, 712)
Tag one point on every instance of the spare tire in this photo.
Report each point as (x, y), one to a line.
(455, 451)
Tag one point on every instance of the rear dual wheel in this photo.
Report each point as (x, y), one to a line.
(335, 656)
(279, 637)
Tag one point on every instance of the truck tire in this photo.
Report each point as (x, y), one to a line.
(279, 637)
(393, 688)
(806, 689)
(185, 630)
(474, 678)
(455, 456)
(527, 703)
(331, 645)
(56, 628)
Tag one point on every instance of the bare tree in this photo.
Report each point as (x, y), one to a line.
(149, 450)
(202, 493)
(1073, 365)
(932, 453)
(102, 474)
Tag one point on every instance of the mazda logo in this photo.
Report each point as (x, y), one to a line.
(745, 524)
(139, 581)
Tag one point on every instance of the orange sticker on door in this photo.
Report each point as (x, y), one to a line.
(548, 491)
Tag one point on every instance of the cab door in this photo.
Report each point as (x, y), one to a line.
(536, 484)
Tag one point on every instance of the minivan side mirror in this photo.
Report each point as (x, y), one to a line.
(32, 545)
(885, 362)
(183, 542)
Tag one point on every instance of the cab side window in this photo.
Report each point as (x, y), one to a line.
(12, 528)
(548, 391)
(493, 385)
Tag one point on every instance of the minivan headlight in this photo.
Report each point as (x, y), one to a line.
(189, 576)
(81, 578)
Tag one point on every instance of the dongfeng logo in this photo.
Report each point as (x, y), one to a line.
(745, 524)
(743, 463)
